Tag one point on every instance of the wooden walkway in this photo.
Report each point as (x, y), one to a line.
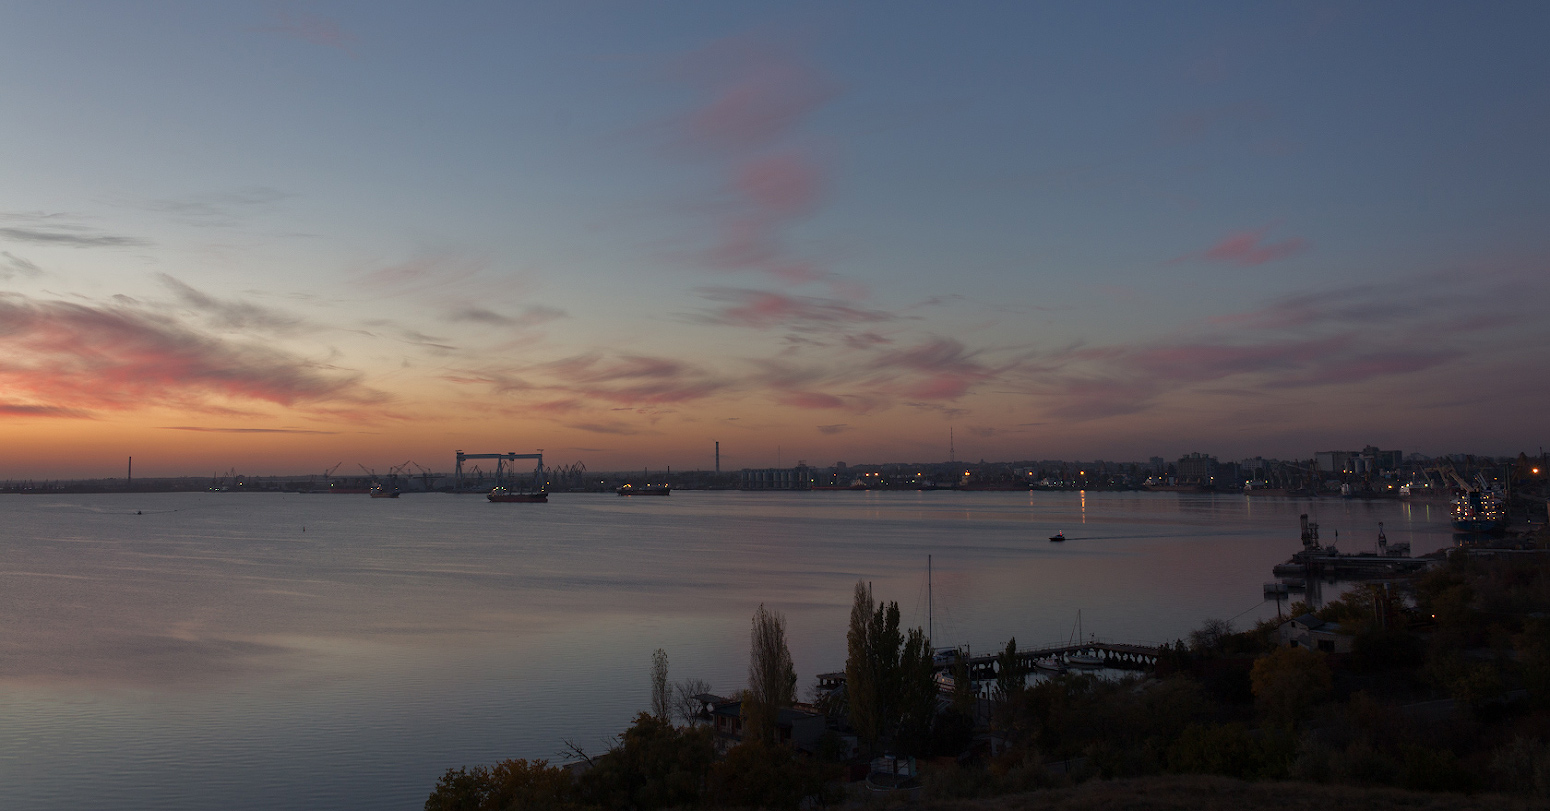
(984, 666)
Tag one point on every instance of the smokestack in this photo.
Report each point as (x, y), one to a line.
(718, 457)
(130, 476)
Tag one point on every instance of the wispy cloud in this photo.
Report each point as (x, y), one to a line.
(122, 357)
(208, 430)
(235, 315)
(760, 92)
(217, 209)
(757, 95)
(22, 410)
(308, 27)
(1340, 337)
(15, 265)
(836, 428)
(531, 316)
(743, 307)
(616, 428)
(60, 230)
(1249, 249)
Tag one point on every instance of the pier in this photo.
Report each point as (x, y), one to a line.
(983, 667)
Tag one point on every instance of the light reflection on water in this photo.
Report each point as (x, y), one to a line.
(262, 651)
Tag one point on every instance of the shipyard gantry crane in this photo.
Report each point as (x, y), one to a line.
(500, 465)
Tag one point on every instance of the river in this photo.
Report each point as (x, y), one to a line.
(258, 651)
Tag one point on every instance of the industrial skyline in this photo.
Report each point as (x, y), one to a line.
(279, 235)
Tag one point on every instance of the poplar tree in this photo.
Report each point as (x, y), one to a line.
(861, 677)
(887, 680)
(661, 698)
(772, 679)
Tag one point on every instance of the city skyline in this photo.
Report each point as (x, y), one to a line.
(272, 236)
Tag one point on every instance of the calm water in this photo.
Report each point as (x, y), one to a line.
(262, 651)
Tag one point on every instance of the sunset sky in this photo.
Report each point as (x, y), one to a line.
(275, 236)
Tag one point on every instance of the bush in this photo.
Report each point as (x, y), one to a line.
(1225, 749)
(760, 775)
(510, 784)
(654, 766)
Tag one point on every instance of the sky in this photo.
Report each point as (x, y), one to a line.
(275, 236)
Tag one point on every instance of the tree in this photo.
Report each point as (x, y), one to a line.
(526, 784)
(685, 704)
(654, 766)
(755, 774)
(915, 703)
(661, 698)
(861, 676)
(1211, 636)
(1011, 685)
(772, 680)
(887, 678)
(1288, 682)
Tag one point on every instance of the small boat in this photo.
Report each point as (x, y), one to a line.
(645, 490)
(501, 495)
(1057, 537)
(379, 491)
(1049, 664)
(1085, 661)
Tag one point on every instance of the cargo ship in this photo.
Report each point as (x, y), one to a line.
(501, 495)
(645, 490)
(1480, 511)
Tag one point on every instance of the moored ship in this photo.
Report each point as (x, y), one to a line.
(645, 490)
(1479, 511)
(503, 496)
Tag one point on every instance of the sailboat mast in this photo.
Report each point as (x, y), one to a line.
(930, 604)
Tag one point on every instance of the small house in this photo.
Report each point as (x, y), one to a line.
(1308, 631)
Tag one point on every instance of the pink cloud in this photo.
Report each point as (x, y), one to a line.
(784, 184)
(72, 357)
(759, 104)
(1248, 249)
(811, 399)
(941, 387)
(576, 383)
(759, 95)
(18, 410)
(311, 28)
(762, 309)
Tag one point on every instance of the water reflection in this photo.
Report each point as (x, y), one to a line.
(348, 665)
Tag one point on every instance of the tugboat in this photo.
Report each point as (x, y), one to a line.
(1058, 537)
(379, 490)
(503, 496)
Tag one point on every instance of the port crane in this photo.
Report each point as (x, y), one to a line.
(427, 477)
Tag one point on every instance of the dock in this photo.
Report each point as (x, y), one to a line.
(1119, 656)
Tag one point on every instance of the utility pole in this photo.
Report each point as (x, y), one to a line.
(930, 605)
(129, 476)
(718, 456)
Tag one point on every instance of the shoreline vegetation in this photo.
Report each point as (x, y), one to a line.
(1442, 686)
